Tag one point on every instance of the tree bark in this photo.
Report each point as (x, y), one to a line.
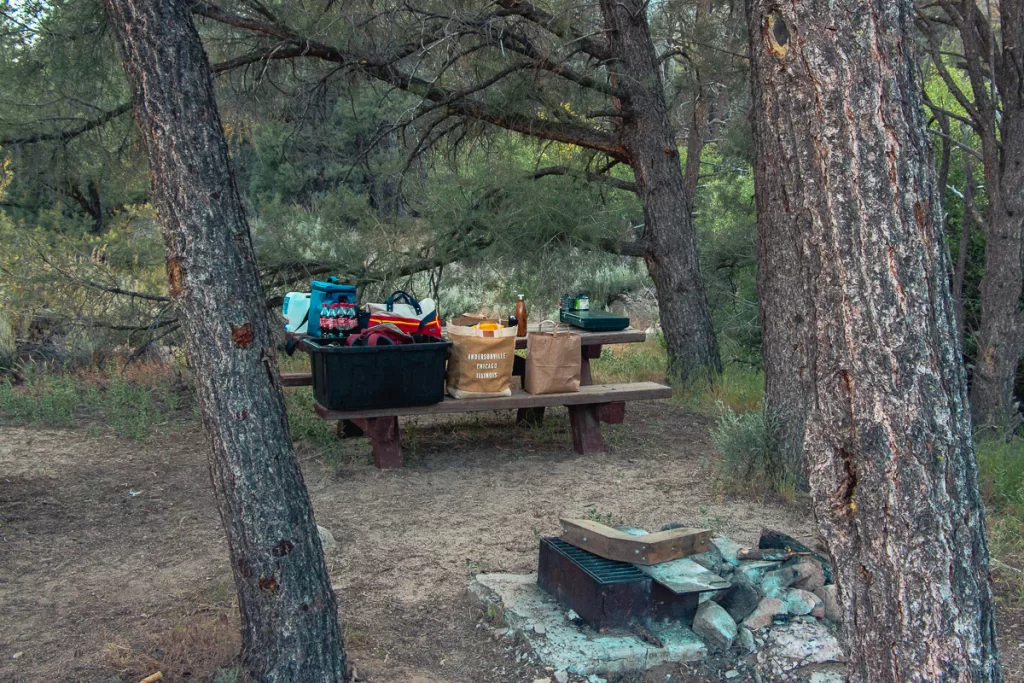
(1000, 335)
(960, 269)
(669, 233)
(783, 277)
(289, 615)
(887, 443)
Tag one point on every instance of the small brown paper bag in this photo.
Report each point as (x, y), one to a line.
(480, 364)
(552, 361)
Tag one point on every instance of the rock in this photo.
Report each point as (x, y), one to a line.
(562, 676)
(780, 541)
(800, 602)
(740, 600)
(763, 614)
(728, 549)
(745, 638)
(755, 570)
(326, 538)
(791, 652)
(732, 673)
(776, 581)
(809, 574)
(539, 629)
(715, 625)
(685, 576)
(542, 680)
(830, 601)
(710, 559)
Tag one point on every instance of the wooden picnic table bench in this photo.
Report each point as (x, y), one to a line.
(588, 408)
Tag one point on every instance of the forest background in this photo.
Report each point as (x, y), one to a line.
(413, 169)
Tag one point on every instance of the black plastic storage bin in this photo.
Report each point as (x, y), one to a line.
(371, 377)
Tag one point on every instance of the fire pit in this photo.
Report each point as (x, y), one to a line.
(605, 593)
(591, 611)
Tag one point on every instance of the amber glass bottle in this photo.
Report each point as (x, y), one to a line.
(521, 317)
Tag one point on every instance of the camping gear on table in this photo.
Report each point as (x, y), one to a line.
(575, 311)
(380, 376)
(295, 309)
(520, 317)
(594, 321)
(552, 360)
(384, 334)
(412, 316)
(337, 321)
(480, 364)
(326, 292)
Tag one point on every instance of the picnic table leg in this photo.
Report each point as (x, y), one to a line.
(612, 413)
(586, 429)
(385, 440)
(532, 417)
(586, 353)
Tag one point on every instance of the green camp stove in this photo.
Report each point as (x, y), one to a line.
(575, 310)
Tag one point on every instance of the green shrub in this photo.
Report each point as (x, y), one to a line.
(1001, 477)
(630, 363)
(43, 400)
(1001, 473)
(52, 397)
(739, 389)
(748, 444)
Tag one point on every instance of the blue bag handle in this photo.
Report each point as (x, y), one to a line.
(402, 296)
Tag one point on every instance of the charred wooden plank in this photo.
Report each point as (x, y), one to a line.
(644, 550)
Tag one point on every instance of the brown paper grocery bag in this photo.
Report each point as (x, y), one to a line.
(552, 361)
(480, 364)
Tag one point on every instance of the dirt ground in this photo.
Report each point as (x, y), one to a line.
(113, 563)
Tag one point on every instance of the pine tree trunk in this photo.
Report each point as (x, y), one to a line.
(842, 153)
(669, 234)
(289, 615)
(1000, 334)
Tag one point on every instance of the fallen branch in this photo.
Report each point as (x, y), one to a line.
(769, 554)
(1002, 565)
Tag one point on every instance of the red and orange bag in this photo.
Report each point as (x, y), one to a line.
(412, 316)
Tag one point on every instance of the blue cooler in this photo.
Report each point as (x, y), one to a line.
(330, 292)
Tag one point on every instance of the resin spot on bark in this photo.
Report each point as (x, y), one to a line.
(242, 335)
(268, 584)
(777, 33)
(175, 275)
(283, 548)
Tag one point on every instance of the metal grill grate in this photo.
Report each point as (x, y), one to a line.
(602, 570)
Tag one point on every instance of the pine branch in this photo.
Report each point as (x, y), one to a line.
(64, 135)
(584, 175)
(586, 41)
(455, 102)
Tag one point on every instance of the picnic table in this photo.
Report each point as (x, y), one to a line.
(588, 408)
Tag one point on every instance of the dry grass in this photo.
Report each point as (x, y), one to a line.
(198, 648)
